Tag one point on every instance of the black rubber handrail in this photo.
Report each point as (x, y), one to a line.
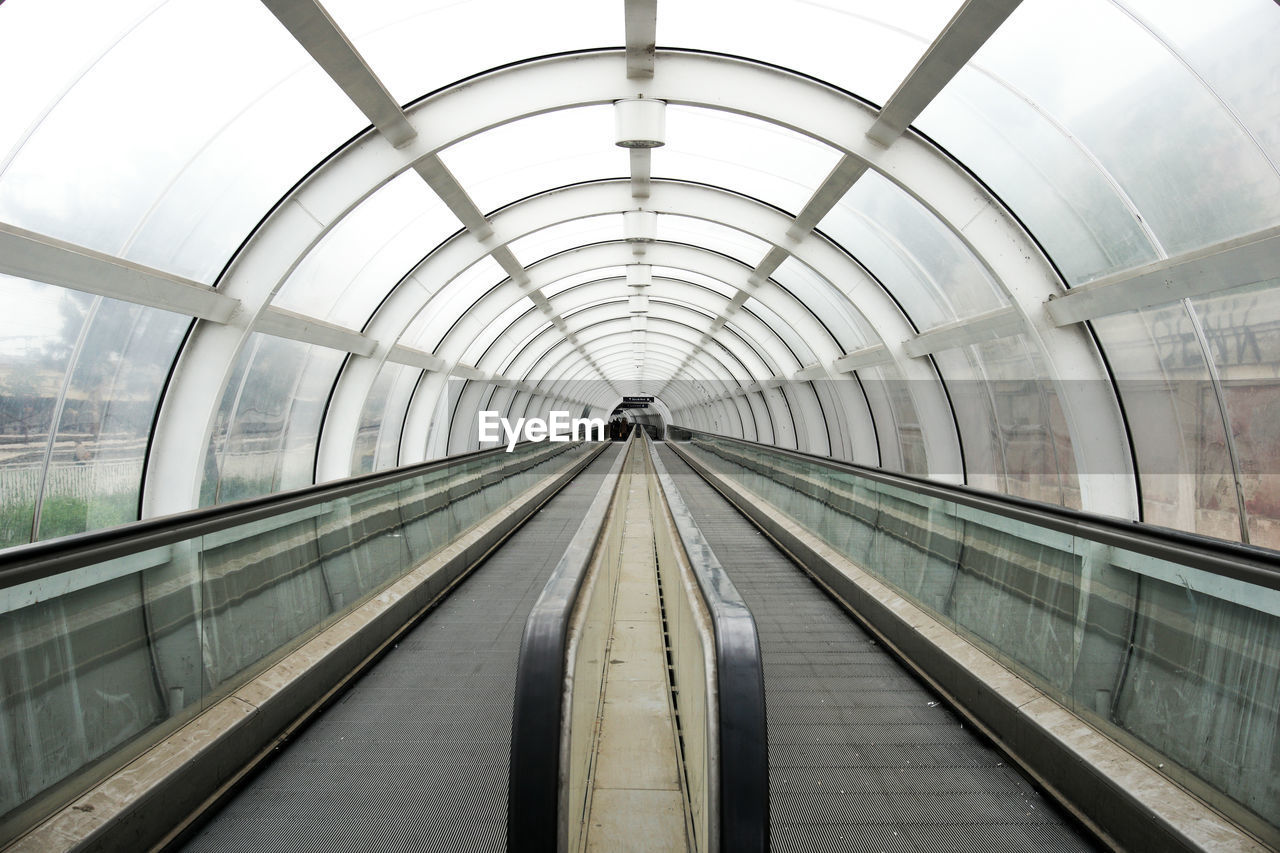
(533, 793)
(1247, 563)
(741, 726)
(25, 563)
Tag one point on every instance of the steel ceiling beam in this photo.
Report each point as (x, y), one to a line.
(641, 28)
(1231, 263)
(26, 254)
(309, 23)
(966, 32)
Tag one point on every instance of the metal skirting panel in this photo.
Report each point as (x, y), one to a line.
(861, 755)
(415, 755)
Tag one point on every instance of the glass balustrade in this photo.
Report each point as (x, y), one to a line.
(99, 661)
(1176, 659)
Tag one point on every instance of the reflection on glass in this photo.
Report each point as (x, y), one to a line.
(1242, 328)
(269, 420)
(1183, 461)
(931, 274)
(1034, 445)
(377, 443)
(92, 660)
(96, 367)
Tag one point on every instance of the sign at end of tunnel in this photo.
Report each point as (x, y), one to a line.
(637, 399)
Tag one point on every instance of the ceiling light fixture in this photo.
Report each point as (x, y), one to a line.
(639, 275)
(640, 122)
(639, 226)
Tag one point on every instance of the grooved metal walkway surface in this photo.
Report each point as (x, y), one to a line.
(861, 755)
(416, 755)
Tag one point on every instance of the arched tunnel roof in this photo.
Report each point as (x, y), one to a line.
(1027, 246)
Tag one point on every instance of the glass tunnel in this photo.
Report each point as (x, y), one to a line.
(1029, 248)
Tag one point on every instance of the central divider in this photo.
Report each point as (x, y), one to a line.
(713, 666)
(537, 795)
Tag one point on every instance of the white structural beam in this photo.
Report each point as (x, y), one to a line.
(309, 23)
(466, 371)
(869, 356)
(642, 27)
(310, 330)
(442, 182)
(833, 188)
(964, 34)
(33, 256)
(811, 372)
(411, 357)
(641, 163)
(991, 325)
(513, 268)
(1212, 269)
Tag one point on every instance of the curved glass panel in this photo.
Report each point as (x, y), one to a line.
(685, 295)
(529, 156)
(107, 408)
(724, 289)
(799, 347)
(588, 296)
(447, 305)
(713, 236)
(842, 320)
(1242, 328)
(1011, 422)
(1233, 51)
(80, 380)
(1163, 139)
(522, 349)
(495, 328)
(269, 420)
(747, 155)
(866, 51)
(415, 48)
(898, 431)
(1183, 461)
(567, 235)
(181, 168)
(38, 47)
(345, 277)
(1073, 206)
(576, 279)
(922, 264)
(41, 326)
(377, 444)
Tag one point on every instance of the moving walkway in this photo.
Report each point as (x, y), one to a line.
(429, 659)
